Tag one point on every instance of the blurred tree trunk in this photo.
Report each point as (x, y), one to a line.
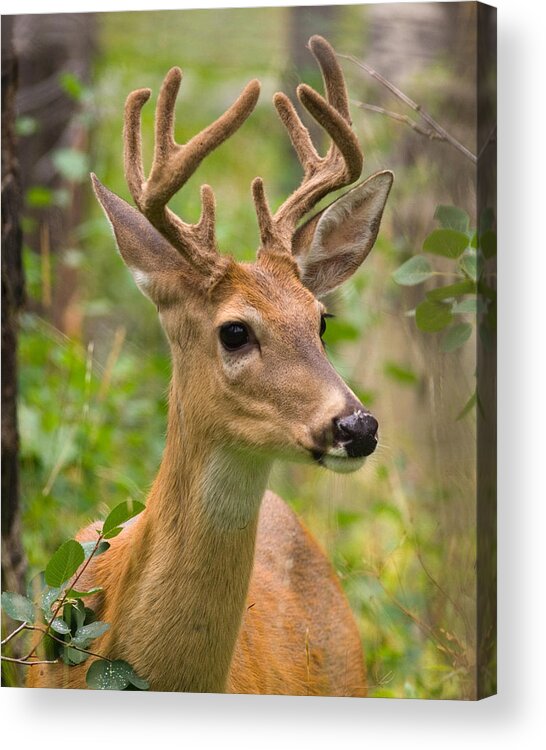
(55, 53)
(13, 559)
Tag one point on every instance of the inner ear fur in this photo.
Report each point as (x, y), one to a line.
(331, 245)
(158, 269)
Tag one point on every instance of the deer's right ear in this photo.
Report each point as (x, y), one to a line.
(157, 267)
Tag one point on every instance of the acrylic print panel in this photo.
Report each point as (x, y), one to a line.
(347, 367)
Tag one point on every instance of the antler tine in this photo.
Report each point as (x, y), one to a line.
(132, 139)
(332, 75)
(342, 164)
(173, 164)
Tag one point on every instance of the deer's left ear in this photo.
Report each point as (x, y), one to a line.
(330, 246)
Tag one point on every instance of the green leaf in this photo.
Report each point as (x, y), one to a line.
(488, 243)
(88, 548)
(64, 563)
(433, 316)
(401, 374)
(74, 614)
(49, 597)
(455, 337)
(39, 196)
(452, 290)
(18, 607)
(467, 306)
(119, 515)
(60, 626)
(137, 681)
(469, 264)
(75, 594)
(451, 217)
(446, 242)
(108, 675)
(72, 164)
(72, 656)
(90, 632)
(413, 271)
(71, 85)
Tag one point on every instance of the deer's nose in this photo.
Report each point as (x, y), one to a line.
(357, 433)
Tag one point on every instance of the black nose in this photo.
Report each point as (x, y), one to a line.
(357, 433)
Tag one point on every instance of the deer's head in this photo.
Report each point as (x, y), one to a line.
(249, 365)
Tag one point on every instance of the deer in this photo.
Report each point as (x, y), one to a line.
(217, 586)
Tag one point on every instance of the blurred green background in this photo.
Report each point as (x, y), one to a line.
(94, 362)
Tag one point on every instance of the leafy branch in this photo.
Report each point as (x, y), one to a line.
(69, 627)
(445, 306)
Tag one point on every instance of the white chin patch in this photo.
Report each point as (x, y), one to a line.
(342, 465)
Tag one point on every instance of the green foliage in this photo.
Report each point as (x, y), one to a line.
(446, 242)
(433, 316)
(414, 271)
(455, 337)
(69, 637)
(64, 563)
(455, 241)
(113, 675)
(18, 607)
(119, 515)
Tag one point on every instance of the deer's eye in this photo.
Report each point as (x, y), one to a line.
(323, 319)
(234, 336)
(322, 325)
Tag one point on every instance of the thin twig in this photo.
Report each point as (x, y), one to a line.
(28, 663)
(431, 122)
(46, 631)
(68, 645)
(8, 638)
(431, 134)
(63, 598)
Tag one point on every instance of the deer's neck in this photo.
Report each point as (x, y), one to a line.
(188, 564)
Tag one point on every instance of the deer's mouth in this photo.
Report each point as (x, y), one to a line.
(337, 460)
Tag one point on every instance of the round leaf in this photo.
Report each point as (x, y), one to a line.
(73, 656)
(49, 597)
(108, 675)
(433, 316)
(488, 243)
(64, 563)
(60, 626)
(452, 290)
(90, 632)
(455, 337)
(413, 271)
(137, 681)
(88, 548)
(469, 264)
(446, 242)
(119, 515)
(451, 217)
(18, 607)
(470, 305)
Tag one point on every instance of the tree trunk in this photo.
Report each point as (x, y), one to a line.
(13, 559)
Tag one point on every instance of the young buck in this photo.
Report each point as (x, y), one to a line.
(217, 586)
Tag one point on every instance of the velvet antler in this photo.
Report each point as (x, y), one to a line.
(341, 166)
(173, 164)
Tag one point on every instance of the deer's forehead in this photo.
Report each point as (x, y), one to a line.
(272, 293)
